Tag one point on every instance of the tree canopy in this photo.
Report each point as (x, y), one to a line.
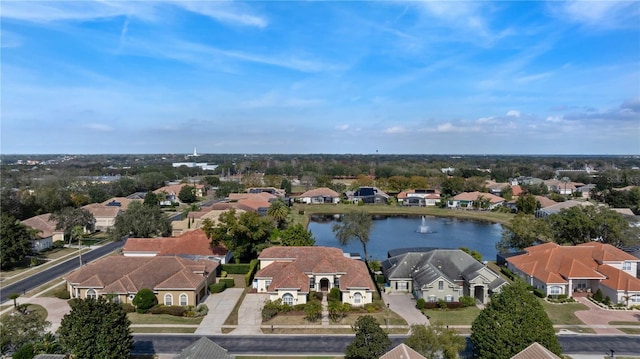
(141, 221)
(527, 204)
(513, 320)
(435, 341)
(583, 224)
(294, 235)
(279, 212)
(355, 224)
(69, 217)
(187, 194)
(370, 341)
(96, 328)
(523, 231)
(244, 235)
(15, 241)
(20, 328)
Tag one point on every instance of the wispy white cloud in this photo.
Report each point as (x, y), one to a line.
(224, 11)
(395, 130)
(9, 39)
(604, 14)
(514, 113)
(342, 127)
(98, 127)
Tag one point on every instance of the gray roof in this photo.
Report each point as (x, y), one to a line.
(50, 356)
(425, 267)
(204, 348)
(399, 251)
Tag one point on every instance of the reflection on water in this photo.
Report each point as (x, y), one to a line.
(390, 232)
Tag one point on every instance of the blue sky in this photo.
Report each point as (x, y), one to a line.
(505, 77)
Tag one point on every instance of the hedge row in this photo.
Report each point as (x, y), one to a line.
(175, 310)
(218, 287)
(508, 273)
(253, 268)
(228, 282)
(242, 268)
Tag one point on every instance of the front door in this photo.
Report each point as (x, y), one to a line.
(324, 285)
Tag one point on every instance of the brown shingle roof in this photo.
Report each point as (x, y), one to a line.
(100, 210)
(402, 351)
(535, 351)
(312, 259)
(190, 243)
(473, 196)
(42, 223)
(322, 191)
(118, 274)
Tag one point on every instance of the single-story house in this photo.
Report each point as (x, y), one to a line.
(47, 232)
(322, 195)
(419, 197)
(290, 273)
(471, 199)
(271, 190)
(191, 245)
(581, 269)
(174, 280)
(172, 192)
(104, 215)
(556, 208)
(204, 348)
(368, 195)
(402, 351)
(537, 351)
(435, 274)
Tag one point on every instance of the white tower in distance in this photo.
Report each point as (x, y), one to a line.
(195, 152)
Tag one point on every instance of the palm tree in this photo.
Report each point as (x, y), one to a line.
(279, 212)
(354, 225)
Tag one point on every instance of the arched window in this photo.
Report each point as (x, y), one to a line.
(555, 289)
(168, 299)
(91, 293)
(357, 298)
(287, 299)
(184, 300)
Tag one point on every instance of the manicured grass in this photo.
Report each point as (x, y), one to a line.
(289, 357)
(563, 314)
(164, 330)
(290, 319)
(232, 319)
(31, 307)
(51, 287)
(464, 316)
(624, 323)
(326, 331)
(137, 318)
(631, 331)
(497, 217)
(394, 318)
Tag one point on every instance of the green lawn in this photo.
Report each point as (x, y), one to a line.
(165, 330)
(464, 316)
(32, 307)
(623, 323)
(137, 318)
(563, 314)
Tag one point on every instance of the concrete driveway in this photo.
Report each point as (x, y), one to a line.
(405, 306)
(220, 306)
(56, 309)
(599, 318)
(250, 314)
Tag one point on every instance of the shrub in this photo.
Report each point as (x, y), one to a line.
(144, 300)
(202, 310)
(507, 273)
(73, 301)
(58, 244)
(420, 303)
(128, 307)
(62, 293)
(241, 268)
(253, 268)
(467, 301)
(597, 296)
(539, 293)
(334, 295)
(313, 311)
(228, 282)
(271, 309)
(218, 287)
(24, 352)
(441, 304)
(223, 274)
(372, 307)
(175, 310)
(380, 279)
(607, 301)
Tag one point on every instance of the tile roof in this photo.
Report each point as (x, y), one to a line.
(42, 223)
(123, 201)
(322, 191)
(190, 243)
(619, 280)
(119, 274)
(432, 194)
(535, 351)
(100, 210)
(402, 351)
(555, 208)
(473, 196)
(545, 202)
(554, 264)
(175, 188)
(203, 348)
(262, 196)
(302, 261)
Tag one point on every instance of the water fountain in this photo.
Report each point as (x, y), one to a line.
(423, 226)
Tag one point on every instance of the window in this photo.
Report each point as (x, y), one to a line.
(448, 298)
(357, 298)
(267, 283)
(91, 293)
(184, 300)
(634, 298)
(431, 299)
(555, 289)
(441, 285)
(168, 299)
(581, 284)
(115, 299)
(402, 286)
(287, 299)
(336, 282)
(626, 265)
(312, 282)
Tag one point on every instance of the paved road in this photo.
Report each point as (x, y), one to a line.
(56, 271)
(336, 344)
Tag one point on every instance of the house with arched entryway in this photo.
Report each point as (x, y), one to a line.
(440, 274)
(291, 273)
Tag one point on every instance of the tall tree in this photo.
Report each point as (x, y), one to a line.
(187, 194)
(96, 328)
(435, 341)
(151, 199)
(141, 221)
(279, 212)
(512, 321)
(20, 328)
(527, 204)
(356, 224)
(295, 235)
(370, 341)
(582, 224)
(245, 235)
(15, 241)
(70, 217)
(286, 186)
(523, 231)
